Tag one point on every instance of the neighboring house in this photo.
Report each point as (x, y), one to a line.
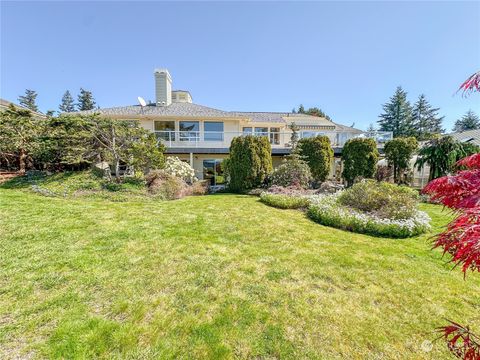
(471, 136)
(201, 135)
(4, 104)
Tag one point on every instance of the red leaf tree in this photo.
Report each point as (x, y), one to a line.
(471, 84)
(461, 192)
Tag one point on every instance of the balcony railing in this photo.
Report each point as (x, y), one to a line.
(222, 139)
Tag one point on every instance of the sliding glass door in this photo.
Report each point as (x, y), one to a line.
(212, 172)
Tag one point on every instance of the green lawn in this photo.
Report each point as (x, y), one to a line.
(220, 276)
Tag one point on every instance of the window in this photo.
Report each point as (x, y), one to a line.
(310, 134)
(212, 171)
(247, 131)
(165, 130)
(189, 130)
(275, 136)
(213, 131)
(261, 131)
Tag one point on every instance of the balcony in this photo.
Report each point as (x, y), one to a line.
(278, 140)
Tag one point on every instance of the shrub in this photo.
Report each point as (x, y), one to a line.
(383, 173)
(398, 153)
(165, 185)
(250, 162)
(284, 201)
(292, 172)
(385, 199)
(318, 153)
(199, 188)
(181, 169)
(360, 158)
(328, 211)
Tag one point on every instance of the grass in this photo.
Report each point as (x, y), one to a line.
(219, 276)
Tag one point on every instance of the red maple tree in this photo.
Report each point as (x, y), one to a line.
(461, 192)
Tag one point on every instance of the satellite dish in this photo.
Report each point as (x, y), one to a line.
(142, 101)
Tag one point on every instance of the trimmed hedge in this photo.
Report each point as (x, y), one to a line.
(249, 163)
(284, 201)
(318, 153)
(360, 157)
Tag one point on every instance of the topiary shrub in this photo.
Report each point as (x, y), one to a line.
(398, 153)
(318, 153)
(176, 167)
(250, 162)
(385, 199)
(360, 157)
(292, 172)
(165, 185)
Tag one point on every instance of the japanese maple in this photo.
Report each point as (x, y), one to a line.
(461, 239)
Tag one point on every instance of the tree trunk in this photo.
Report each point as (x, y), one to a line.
(22, 161)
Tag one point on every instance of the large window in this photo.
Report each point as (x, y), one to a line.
(247, 131)
(212, 172)
(275, 136)
(189, 130)
(261, 131)
(165, 130)
(310, 134)
(213, 131)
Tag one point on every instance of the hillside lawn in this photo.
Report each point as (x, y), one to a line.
(218, 276)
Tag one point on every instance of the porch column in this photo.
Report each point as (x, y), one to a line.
(191, 160)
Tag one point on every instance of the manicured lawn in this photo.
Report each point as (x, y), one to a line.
(219, 276)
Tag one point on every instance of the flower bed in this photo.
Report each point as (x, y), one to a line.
(395, 217)
(327, 210)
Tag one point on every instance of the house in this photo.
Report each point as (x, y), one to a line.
(470, 136)
(201, 135)
(4, 104)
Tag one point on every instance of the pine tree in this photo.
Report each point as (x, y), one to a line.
(85, 100)
(425, 119)
(67, 104)
(397, 116)
(301, 109)
(469, 121)
(28, 100)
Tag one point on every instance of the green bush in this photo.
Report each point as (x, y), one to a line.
(398, 153)
(284, 201)
(250, 162)
(292, 172)
(387, 200)
(318, 153)
(360, 157)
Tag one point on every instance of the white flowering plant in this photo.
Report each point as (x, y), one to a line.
(181, 169)
(327, 210)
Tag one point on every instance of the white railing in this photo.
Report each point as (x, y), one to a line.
(222, 139)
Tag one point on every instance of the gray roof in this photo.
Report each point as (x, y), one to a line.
(472, 136)
(174, 109)
(180, 109)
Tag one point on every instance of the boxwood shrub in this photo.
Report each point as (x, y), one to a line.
(282, 201)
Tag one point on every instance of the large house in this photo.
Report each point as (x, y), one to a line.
(201, 135)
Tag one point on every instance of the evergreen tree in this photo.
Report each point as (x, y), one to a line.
(29, 100)
(425, 119)
(67, 104)
(315, 111)
(397, 116)
(469, 121)
(85, 100)
(371, 128)
(301, 109)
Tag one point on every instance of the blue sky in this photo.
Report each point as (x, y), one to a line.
(344, 57)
